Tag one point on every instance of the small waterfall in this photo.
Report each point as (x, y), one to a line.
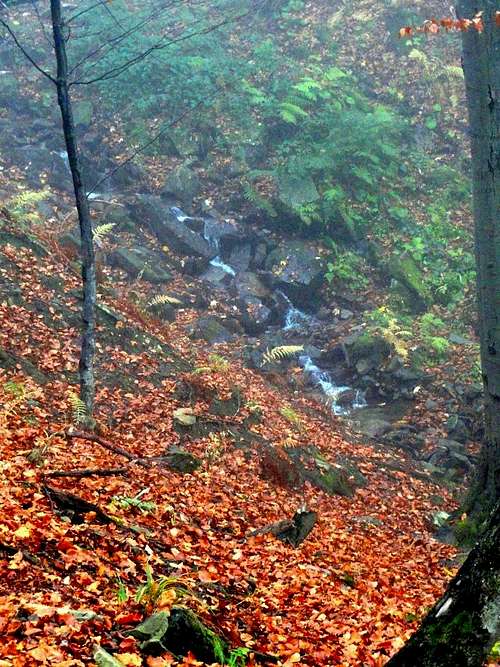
(213, 241)
(179, 214)
(324, 380)
(294, 318)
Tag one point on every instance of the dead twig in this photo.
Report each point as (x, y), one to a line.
(88, 472)
(91, 437)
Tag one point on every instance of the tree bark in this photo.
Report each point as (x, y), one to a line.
(86, 365)
(463, 626)
(481, 64)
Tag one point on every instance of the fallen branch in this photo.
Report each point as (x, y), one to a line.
(88, 472)
(80, 506)
(91, 437)
(293, 531)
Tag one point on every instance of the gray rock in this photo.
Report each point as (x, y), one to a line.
(297, 269)
(183, 185)
(140, 261)
(151, 212)
(210, 329)
(373, 428)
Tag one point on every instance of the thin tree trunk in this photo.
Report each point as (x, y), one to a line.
(481, 63)
(86, 366)
(463, 626)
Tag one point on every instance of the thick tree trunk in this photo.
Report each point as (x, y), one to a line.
(481, 63)
(463, 626)
(86, 366)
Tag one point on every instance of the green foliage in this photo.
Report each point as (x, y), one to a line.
(436, 346)
(151, 592)
(281, 352)
(291, 416)
(127, 503)
(101, 232)
(78, 408)
(348, 268)
(22, 207)
(122, 593)
(237, 657)
(384, 322)
(216, 364)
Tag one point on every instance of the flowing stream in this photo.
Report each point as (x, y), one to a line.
(294, 320)
(213, 241)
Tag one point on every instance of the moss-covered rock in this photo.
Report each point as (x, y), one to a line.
(404, 269)
(183, 184)
(180, 632)
(182, 461)
(140, 261)
(368, 347)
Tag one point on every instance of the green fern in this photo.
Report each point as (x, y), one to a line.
(78, 408)
(126, 503)
(281, 352)
(252, 196)
(21, 206)
(101, 231)
(162, 299)
(291, 113)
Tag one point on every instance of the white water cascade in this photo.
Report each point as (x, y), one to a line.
(332, 392)
(213, 241)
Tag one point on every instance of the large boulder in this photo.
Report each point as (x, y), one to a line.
(210, 329)
(182, 184)
(140, 261)
(151, 212)
(405, 271)
(41, 165)
(295, 191)
(297, 269)
(367, 351)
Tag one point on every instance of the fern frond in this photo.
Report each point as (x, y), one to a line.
(281, 352)
(101, 231)
(257, 200)
(78, 408)
(162, 299)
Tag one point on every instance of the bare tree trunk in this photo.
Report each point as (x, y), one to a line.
(86, 366)
(463, 626)
(481, 63)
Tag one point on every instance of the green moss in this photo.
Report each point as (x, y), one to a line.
(370, 345)
(467, 531)
(459, 627)
(405, 270)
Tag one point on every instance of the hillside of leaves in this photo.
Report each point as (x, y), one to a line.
(307, 120)
(348, 596)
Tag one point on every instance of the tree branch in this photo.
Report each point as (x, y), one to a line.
(25, 53)
(155, 138)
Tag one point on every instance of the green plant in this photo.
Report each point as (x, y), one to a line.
(436, 346)
(281, 352)
(122, 594)
(78, 408)
(161, 591)
(126, 503)
(22, 207)
(348, 268)
(237, 657)
(291, 416)
(101, 232)
(385, 322)
(216, 364)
